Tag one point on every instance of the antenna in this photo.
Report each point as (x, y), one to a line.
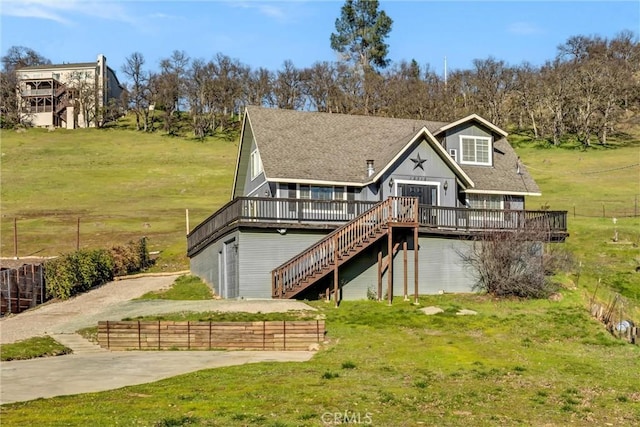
(445, 70)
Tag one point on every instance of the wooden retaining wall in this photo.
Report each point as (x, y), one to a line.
(21, 288)
(166, 335)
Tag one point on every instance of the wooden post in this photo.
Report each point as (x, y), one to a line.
(404, 251)
(415, 263)
(78, 235)
(335, 271)
(379, 276)
(187, 219)
(15, 238)
(390, 266)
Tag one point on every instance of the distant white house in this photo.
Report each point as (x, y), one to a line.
(67, 95)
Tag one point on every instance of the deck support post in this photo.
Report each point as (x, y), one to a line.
(416, 246)
(405, 289)
(390, 265)
(379, 296)
(335, 270)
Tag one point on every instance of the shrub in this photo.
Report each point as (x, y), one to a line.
(82, 270)
(511, 263)
(130, 258)
(76, 272)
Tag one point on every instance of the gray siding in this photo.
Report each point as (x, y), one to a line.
(435, 170)
(260, 251)
(439, 269)
(244, 184)
(205, 264)
(452, 140)
(252, 187)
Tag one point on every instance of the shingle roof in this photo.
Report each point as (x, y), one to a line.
(503, 176)
(302, 145)
(55, 66)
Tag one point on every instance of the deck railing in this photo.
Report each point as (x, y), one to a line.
(272, 210)
(298, 211)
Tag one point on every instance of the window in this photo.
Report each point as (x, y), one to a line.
(485, 201)
(454, 154)
(322, 194)
(256, 164)
(476, 150)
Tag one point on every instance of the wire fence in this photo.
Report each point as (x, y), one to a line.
(55, 234)
(629, 208)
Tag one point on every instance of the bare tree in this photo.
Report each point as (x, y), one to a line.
(139, 92)
(511, 263)
(16, 57)
(287, 90)
(493, 80)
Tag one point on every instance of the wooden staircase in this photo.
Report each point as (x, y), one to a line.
(326, 256)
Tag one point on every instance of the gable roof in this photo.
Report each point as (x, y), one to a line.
(323, 147)
(326, 148)
(472, 117)
(507, 176)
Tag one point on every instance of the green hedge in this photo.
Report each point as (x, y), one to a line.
(81, 270)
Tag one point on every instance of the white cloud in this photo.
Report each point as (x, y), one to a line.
(523, 28)
(269, 10)
(65, 11)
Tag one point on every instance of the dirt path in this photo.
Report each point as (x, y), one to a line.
(113, 302)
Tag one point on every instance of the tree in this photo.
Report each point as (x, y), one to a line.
(512, 263)
(139, 90)
(16, 57)
(360, 34)
(287, 90)
(169, 87)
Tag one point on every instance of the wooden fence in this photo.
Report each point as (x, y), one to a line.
(21, 288)
(616, 322)
(167, 335)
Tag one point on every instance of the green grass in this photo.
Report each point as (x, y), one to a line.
(515, 363)
(595, 186)
(122, 184)
(32, 348)
(184, 288)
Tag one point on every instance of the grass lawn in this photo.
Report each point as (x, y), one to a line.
(122, 184)
(32, 348)
(185, 288)
(515, 363)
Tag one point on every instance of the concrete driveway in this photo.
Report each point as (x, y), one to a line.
(91, 368)
(84, 373)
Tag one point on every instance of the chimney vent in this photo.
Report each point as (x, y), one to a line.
(370, 169)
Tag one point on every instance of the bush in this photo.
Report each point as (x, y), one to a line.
(82, 270)
(130, 258)
(511, 264)
(78, 271)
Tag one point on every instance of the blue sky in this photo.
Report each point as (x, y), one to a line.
(266, 33)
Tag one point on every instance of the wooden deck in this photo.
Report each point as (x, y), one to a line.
(263, 212)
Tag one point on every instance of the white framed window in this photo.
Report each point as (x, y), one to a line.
(476, 150)
(454, 154)
(256, 164)
(485, 201)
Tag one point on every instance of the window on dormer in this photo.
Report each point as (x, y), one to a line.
(476, 150)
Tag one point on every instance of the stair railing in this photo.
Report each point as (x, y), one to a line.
(328, 251)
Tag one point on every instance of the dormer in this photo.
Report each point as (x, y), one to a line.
(470, 141)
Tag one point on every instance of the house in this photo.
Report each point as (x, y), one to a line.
(67, 95)
(353, 206)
